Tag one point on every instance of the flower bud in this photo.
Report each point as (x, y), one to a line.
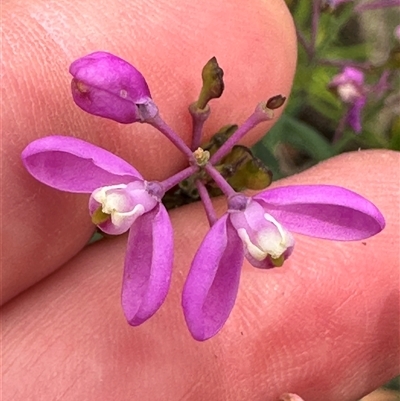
(213, 83)
(275, 102)
(107, 86)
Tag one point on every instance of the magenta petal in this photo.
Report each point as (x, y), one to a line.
(212, 283)
(352, 74)
(108, 86)
(323, 211)
(112, 73)
(72, 165)
(348, 75)
(148, 266)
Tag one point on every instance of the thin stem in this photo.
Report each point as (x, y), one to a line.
(178, 177)
(158, 123)
(303, 41)
(340, 128)
(256, 118)
(375, 5)
(315, 23)
(220, 181)
(207, 204)
(199, 116)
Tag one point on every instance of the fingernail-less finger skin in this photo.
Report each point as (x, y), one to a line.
(169, 42)
(324, 326)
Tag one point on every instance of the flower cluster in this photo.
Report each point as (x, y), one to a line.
(257, 228)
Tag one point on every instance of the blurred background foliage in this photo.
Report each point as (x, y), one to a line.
(305, 134)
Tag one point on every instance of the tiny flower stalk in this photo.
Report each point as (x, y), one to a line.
(158, 123)
(178, 177)
(220, 180)
(199, 117)
(212, 88)
(261, 113)
(207, 204)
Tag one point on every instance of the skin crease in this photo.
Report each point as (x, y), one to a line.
(162, 39)
(324, 326)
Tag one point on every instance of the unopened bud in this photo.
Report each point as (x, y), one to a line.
(213, 84)
(275, 102)
(108, 86)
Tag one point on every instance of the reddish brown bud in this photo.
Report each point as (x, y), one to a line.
(275, 102)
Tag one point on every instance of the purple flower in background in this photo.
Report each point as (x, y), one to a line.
(349, 86)
(120, 201)
(259, 228)
(108, 86)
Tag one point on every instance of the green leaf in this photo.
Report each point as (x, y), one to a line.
(354, 52)
(243, 170)
(301, 136)
(219, 138)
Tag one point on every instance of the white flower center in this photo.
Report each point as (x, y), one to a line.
(114, 203)
(268, 242)
(348, 92)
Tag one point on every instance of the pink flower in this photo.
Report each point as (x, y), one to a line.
(349, 86)
(120, 201)
(259, 228)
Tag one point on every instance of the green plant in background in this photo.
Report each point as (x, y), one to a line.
(327, 105)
